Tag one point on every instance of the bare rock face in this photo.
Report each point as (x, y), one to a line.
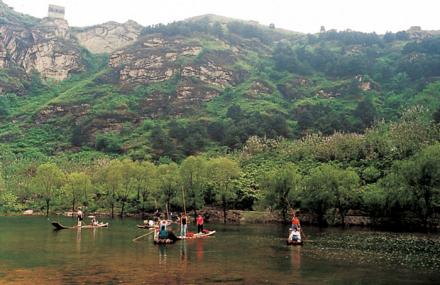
(186, 99)
(156, 59)
(258, 88)
(108, 37)
(52, 112)
(209, 73)
(43, 46)
(51, 28)
(153, 59)
(3, 56)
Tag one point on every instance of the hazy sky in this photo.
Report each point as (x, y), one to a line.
(297, 15)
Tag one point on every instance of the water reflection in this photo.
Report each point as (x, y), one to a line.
(78, 240)
(183, 252)
(199, 250)
(162, 254)
(295, 257)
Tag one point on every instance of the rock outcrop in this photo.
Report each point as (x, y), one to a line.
(44, 47)
(156, 59)
(108, 37)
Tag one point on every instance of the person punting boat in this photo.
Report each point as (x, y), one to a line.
(183, 224)
(79, 216)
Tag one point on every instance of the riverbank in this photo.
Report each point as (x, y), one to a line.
(215, 215)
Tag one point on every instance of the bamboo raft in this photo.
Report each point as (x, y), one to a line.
(59, 226)
(199, 235)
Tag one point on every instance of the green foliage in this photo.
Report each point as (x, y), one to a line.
(419, 181)
(282, 187)
(169, 183)
(222, 173)
(330, 187)
(47, 182)
(77, 187)
(193, 174)
(108, 143)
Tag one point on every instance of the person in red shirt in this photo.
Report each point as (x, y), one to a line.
(199, 224)
(295, 221)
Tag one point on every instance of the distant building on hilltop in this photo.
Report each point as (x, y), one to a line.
(56, 12)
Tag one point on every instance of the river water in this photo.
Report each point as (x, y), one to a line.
(32, 253)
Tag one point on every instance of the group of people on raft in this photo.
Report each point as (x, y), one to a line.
(80, 218)
(183, 220)
(295, 229)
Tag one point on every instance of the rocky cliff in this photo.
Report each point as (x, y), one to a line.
(44, 46)
(108, 37)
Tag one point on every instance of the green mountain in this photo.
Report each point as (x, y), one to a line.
(204, 84)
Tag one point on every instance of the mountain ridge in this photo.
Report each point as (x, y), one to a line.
(198, 85)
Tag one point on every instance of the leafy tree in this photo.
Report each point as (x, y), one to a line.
(130, 183)
(8, 200)
(366, 112)
(77, 187)
(193, 175)
(330, 187)
(146, 176)
(421, 181)
(110, 178)
(48, 182)
(161, 143)
(235, 113)
(168, 183)
(374, 200)
(222, 172)
(106, 142)
(282, 186)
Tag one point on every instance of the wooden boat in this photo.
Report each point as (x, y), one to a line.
(297, 241)
(199, 235)
(171, 238)
(145, 226)
(59, 226)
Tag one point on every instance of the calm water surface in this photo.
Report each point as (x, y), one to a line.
(32, 253)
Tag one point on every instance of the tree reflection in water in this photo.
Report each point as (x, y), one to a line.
(295, 257)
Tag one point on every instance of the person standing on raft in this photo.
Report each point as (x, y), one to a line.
(295, 222)
(183, 224)
(199, 224)
(79, 216)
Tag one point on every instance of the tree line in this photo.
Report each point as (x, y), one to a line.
(390, 173)
(128, 186)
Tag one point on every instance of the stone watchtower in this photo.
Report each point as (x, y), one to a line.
(56, 12)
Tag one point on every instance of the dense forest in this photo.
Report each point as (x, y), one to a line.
(326, 122)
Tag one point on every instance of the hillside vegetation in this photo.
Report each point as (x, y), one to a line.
(292, 111)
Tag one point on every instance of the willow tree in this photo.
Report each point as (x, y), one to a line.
(77, 188)
(146, 179)
(222, 172)
(168, 182)
(130, 181)
(48, 181)
(193, 173)
(282, 187)
(329, 187)
(110, 179)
